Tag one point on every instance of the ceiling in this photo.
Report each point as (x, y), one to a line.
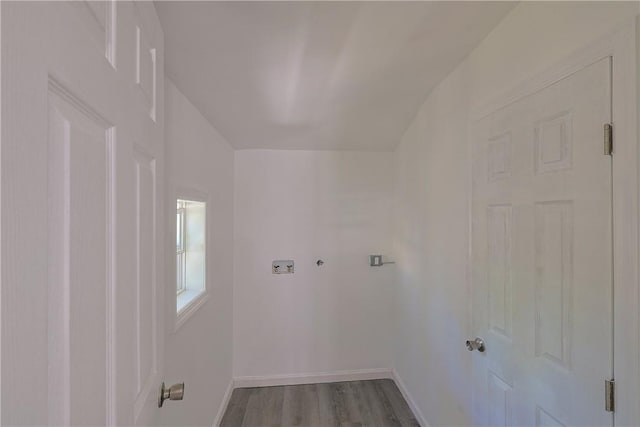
(317, 75)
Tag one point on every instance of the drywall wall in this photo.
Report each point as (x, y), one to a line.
(305, 206)
(199, 161)
(431, 192)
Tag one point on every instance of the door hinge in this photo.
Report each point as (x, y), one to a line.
(608, 139)
(610, 395)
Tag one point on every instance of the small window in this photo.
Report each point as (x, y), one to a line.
(180, 252)
(191, 245)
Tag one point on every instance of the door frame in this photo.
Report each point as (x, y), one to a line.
(621, 46)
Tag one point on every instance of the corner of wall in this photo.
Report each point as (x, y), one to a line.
(422, 420)
(223, 405)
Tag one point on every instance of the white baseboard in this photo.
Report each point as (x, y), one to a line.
(314, 378)
(412, 404)
(224, 404)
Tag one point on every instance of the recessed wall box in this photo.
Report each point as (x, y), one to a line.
(375, 260)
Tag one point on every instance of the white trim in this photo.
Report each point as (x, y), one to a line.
(111, 29)
(191, 194)
(3, 287)
(111, 280)
(620, 45)
(189, 308)
(181, 316)
(312, 378)
(594, 51)
(225, 402)
(626, 190)
(412, 403)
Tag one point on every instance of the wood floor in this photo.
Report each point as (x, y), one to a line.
(354, 403)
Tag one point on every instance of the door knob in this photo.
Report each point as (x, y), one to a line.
(476, 344)
(175, 392)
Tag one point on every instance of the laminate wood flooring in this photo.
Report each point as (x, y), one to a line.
(353, 403)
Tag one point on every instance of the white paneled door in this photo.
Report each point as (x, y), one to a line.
(542, 256)
(81, 176)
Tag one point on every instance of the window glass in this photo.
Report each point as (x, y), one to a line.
(190, 251)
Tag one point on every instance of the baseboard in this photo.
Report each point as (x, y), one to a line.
(412, 404)
(223, 405)
(313, 378)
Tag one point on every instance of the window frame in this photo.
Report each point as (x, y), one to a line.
(188, 302)
(181, 253)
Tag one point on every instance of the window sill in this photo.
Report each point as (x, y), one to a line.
(187, 303)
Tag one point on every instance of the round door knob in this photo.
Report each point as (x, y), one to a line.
(476, 344)
(175, 392)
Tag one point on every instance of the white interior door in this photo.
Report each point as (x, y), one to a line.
(81, 175)
(542, 256)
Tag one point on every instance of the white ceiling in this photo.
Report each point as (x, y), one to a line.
(317, 75)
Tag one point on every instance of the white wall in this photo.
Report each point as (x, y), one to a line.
(340, 207)
(306, 205)
(430, 208)
(200, 352)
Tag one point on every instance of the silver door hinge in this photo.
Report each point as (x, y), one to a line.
(610, 395)
(608, 139)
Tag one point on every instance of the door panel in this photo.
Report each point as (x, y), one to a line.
(553, 233)
(81, 320)
(146, 309)
(542, 256)
(499, 269)
(80, 278)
